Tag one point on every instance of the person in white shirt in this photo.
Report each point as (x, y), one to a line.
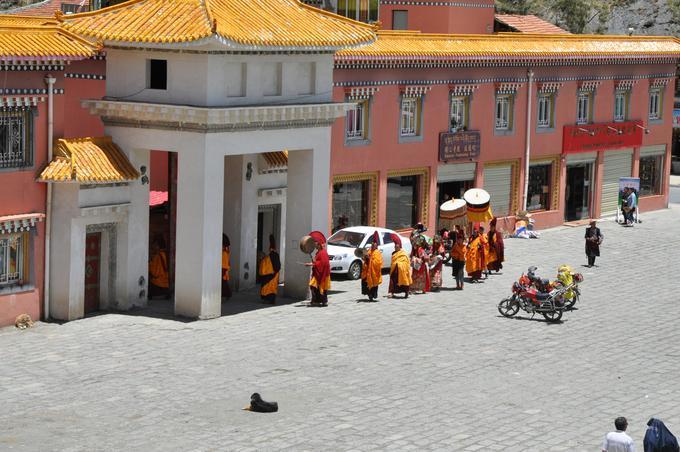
(618, 441)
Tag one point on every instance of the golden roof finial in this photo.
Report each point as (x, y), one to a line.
(214, 26)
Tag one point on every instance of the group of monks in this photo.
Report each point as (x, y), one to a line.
(478, 255)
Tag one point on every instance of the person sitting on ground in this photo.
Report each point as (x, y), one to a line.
(618, 441)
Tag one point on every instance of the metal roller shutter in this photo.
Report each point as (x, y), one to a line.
(616, 164)
(649, 151)
(498, 182)
(581, 157)
(456, 172)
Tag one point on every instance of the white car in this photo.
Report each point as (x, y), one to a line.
(343, 243)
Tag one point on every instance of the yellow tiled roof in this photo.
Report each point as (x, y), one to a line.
(88, 160)
(267, 23)
(416, 45)
(37, 38)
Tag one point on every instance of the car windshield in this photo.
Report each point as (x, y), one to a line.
(347, 238)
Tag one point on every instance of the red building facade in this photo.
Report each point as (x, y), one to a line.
(49, 59)
(439, 114)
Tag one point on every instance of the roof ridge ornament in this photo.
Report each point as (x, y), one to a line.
(214, 26)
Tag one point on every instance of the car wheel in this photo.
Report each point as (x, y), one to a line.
(354, 271)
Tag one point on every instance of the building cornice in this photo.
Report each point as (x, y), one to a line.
(351, 62)
(215, 119)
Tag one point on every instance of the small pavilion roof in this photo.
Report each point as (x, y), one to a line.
(31, 38)
(47, 8)
(238, 23)
(88, 161)
(413, 45)
(529, 24)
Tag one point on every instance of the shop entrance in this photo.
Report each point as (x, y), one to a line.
(449, 190)
(93, 242)
(578, 191)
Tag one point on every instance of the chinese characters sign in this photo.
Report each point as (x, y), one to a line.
(600, 137)
(459, 146)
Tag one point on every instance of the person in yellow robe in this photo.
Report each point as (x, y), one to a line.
(320, 280)
(475, 257)
(371, 271)
(268, 273)
(226, 266)
(458, 258)
(485, 251)
(159, 283)
(400, 269)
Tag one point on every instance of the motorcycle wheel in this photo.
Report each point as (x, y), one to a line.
(508, 307)
(552, 316)
(570, 304)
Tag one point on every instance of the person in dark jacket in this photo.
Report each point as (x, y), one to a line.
(658, 438)
(593, 240)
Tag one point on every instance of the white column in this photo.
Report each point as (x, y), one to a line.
(240, 218)
(135, 268)
(307, 206)
(199, 234)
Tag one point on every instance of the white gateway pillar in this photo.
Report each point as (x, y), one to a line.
(199, 234)
(307, 210)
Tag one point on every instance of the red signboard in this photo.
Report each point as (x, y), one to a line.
(599, 137)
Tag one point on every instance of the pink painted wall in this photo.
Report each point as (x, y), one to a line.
(159, 170)
(20, 192)
(444, 19)
(384, 152)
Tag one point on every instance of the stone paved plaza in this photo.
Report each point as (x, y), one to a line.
(435, 372)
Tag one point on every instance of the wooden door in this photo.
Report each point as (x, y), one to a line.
(93, 241)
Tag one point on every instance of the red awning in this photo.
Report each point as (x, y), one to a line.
(156, 198)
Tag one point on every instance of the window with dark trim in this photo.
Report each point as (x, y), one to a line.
(651, 174)
(538, 194)
(158, 74)
(402, 201)
(13, 259)
(350, 204)
(15, 138)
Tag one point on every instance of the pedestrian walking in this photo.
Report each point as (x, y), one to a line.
(226, 266)
(320, 281)
(594, 239)
(400, 269)
(458, 256)
(371, 271)
(618, 441)
(658, 438)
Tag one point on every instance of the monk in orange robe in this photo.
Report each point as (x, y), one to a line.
(458, 258)
(474, 263)
(496, 247)
(371, 272)
(268, 273)
(400, 269)
(159, 283)
(320, 281)
(226, 266)
(485, 248)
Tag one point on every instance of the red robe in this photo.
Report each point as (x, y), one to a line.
(320, 281)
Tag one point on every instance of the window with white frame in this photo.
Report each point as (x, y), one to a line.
(584, 108)
(620, 106)
(356, 122)
(655, 98)
(410, 116)
(459, 113)
(15, 129)
(545, 105)
(12, 259)
(503, 112)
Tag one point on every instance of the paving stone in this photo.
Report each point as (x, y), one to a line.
(439, 371)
